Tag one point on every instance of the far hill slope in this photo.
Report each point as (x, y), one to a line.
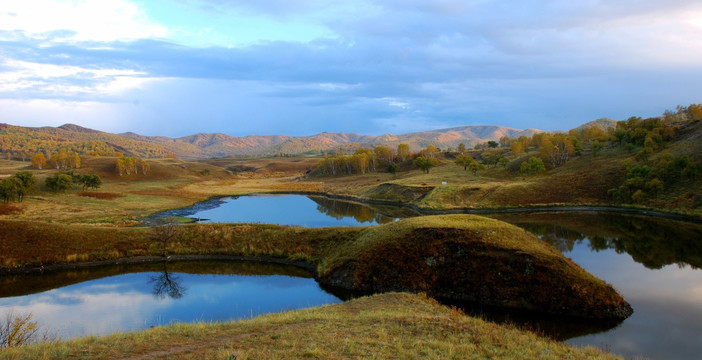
(25, 141)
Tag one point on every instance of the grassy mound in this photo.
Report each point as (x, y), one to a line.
(460, 257)
(390, 326)
(471, 258)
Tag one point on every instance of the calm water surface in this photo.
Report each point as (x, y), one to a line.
(158, 294)
(654, 263)
(307, 211)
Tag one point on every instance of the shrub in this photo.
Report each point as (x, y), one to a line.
(17, 330)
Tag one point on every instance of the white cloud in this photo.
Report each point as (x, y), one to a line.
(65, 80)
(80, 20)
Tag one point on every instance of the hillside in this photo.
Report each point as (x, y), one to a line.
(23, 142)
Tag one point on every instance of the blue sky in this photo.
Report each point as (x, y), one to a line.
(178, 67)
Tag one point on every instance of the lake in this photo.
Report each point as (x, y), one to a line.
(654, 263)
(109, 299)
(298, 210)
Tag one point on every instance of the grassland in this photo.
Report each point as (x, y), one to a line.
(76, 226)
(390, 326)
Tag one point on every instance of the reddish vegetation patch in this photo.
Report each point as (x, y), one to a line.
(99, 195)
(6, 209)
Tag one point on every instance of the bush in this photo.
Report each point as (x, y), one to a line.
(17, 330)
(534, 165)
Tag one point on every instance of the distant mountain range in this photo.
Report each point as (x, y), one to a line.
(71, 137)
(218, 145)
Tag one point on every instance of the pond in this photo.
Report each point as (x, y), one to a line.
(109, 299)
(654, 263)
(299, 210)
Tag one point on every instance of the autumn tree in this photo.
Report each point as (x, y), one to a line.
(384, 154)
(38, 161)
(129, 165)
(429, 152)
(517, 148)
(403, 152)
(65, 160)
(461, 148)
(463, 160)
(507, 141)
(557, 149)
(475, 166)
(534, 165)
(424, 163)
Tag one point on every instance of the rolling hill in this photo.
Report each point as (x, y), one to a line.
(25, 141)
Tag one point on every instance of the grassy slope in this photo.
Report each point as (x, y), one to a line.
(398, 326)
(584, 180)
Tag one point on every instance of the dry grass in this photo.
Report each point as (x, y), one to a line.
(391, 326)
(7, 209)
(100, 195)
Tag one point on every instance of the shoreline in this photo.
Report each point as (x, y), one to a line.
(37, 270)
(473, 211)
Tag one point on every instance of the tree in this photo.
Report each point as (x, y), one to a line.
(493, 144)
(164, 232)
(464, 161)
(424, 163)
(475, 166)
(429, 152)
(557, 149)
(517, 148)
(384, 154)
(89, 181)
(25, 182)
(534, 165)
(59, 182)
(393, 168)
(8, 189)
(38, 161)
(461, 148)
(506, 141)
(503, 161)
(403, 152)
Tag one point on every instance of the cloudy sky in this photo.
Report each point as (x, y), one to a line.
(177, 67)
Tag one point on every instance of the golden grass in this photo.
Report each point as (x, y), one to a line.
(390, 326)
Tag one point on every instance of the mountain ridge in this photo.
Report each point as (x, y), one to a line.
(207, 145)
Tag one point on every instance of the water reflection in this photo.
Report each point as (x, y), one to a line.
(654, 263)
(139, 300)
(167, 284)
(653, 242)
(300, 210)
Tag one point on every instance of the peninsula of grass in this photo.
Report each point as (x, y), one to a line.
(389, 326)
(458, 257)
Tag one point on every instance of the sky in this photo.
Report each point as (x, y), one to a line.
(179, 67)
